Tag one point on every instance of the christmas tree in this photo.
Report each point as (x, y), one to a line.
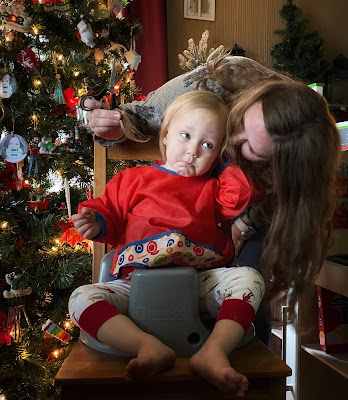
(51, 53)
(301, 52)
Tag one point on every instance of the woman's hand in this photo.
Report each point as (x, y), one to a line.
(105, 123)
(86, 223)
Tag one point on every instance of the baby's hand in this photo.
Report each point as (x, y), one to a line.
(86, 223)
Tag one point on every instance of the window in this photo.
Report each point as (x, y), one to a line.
(199, 9)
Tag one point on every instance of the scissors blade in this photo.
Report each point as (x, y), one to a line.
(112, 77)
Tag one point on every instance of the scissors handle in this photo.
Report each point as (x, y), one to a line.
(97, 96)
(113, 102)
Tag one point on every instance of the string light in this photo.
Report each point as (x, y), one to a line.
(57, 242)
(4, 224)
(2, 397)
(76, 73)
(36, 29)
(67, 324)
(34, 118)
(56, 353)
(37, 82)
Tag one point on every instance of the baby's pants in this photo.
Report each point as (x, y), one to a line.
(233, 293)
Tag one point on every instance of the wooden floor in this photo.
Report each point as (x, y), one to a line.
(90, 374)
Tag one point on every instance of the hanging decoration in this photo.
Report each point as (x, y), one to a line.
(38, 201)
(27, 59)
(34, 152)
(58, 96)
(132, 57)
(56, 6)
(17, 288)
(8, 85)
(13, 16)
(16, 296)
(70, 236)
(46, 146)
(13, 148)
(85, 33)
(67, 195)
(5, 329)
(56, 331)
(8, 177)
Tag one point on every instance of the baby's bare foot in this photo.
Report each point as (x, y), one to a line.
(212, 365)
(153, 357)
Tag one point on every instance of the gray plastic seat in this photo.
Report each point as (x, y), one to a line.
(164, 303)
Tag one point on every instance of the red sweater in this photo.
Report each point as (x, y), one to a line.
(154, 217)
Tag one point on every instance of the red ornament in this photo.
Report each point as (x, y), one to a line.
(8, 177)
(139, 97)
(70, 236)
(27, 58)
(69, 98)
(5, 336)
(20, 244)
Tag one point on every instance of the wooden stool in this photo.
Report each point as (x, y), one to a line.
(89, 374)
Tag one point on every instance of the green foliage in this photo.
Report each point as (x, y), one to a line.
(301, 52)
(28, 240)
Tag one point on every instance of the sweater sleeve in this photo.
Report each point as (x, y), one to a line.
(112, 207)
(233, 194)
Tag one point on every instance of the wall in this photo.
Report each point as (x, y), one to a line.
(251, 23)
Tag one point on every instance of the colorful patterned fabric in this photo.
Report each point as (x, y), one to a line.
(154, 217)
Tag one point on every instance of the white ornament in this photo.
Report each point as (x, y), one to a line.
(133, 59)
(17, 288)
(8, 86)
(86, 33)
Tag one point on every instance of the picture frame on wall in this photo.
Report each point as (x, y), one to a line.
(199, 9)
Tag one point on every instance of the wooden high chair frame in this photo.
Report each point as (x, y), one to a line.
(89, 374)
(123, 151)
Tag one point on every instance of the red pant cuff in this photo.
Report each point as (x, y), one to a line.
(237, 310)
(95, 315)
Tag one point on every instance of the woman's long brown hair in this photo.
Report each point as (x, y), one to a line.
(304, 166)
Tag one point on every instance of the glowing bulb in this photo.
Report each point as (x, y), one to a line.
(27, 182)
(56, 353)
(2, 397)
(59, 173)
(37, 82)
(4, 224)
(80, 92)
(60, 57)
(34, 117)
(54, 248)
(35, 29)
(57, 241)
(76, 73)
(67, 325)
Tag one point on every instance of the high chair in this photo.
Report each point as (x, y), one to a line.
(93, 370)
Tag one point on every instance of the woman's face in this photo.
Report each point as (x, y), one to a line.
(254, 141)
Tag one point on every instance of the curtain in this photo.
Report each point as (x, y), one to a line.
(152, 44)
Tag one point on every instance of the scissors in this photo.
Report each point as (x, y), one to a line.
(108, 89)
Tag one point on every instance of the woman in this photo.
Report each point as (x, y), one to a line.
(292, 151)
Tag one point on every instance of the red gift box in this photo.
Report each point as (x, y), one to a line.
(333, 321)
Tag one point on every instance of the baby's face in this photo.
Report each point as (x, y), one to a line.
(193, 142)
(14, 142)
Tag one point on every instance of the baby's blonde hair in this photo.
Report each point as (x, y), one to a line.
(189, 102)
